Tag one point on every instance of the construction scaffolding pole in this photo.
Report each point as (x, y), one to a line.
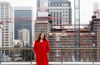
(77, 28)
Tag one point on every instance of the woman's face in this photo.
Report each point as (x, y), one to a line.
(42, 36)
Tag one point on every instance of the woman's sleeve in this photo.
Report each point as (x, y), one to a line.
(48, 46)
(35, 48)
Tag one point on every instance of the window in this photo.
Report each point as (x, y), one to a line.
(60, 5)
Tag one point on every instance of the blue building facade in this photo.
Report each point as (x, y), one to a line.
(23, 20)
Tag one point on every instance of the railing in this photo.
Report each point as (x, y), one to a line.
(16, 54)
(56, 55)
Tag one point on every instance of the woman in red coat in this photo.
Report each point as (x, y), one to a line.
(41, 49)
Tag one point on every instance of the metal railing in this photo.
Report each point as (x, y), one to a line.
(16, 54)
(85, 54)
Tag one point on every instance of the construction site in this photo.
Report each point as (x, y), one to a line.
(72, 42)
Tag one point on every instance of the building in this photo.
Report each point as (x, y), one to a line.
(64, 42)
(6, 18)
(61, 40)
(61, 12)
(95, 27)
(23, 20)
(42, 5)
(42, 25)
(0, 35)
(24, 36)
(62, 35)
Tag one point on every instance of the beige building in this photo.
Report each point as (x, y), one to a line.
(24, 37)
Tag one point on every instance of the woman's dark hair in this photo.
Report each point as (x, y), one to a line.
(39, 37)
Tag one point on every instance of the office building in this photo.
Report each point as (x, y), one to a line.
(6, 18)
(23, 20)
(61, 13)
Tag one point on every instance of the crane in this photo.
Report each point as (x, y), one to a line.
(77, 28)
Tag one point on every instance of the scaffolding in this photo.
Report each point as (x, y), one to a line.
(76, 43)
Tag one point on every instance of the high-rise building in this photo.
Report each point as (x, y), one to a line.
(0, 35)
(6, 18)
(24, 36)
(61, 12)
(23, 20)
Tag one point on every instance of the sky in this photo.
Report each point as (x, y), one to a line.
(86, 7)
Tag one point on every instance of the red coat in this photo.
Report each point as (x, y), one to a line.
(41, 52)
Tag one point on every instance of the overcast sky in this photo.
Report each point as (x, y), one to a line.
(86, 7)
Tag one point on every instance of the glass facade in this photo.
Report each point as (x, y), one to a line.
(23, 20)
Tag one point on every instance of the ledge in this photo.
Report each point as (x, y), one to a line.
(54, 63)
